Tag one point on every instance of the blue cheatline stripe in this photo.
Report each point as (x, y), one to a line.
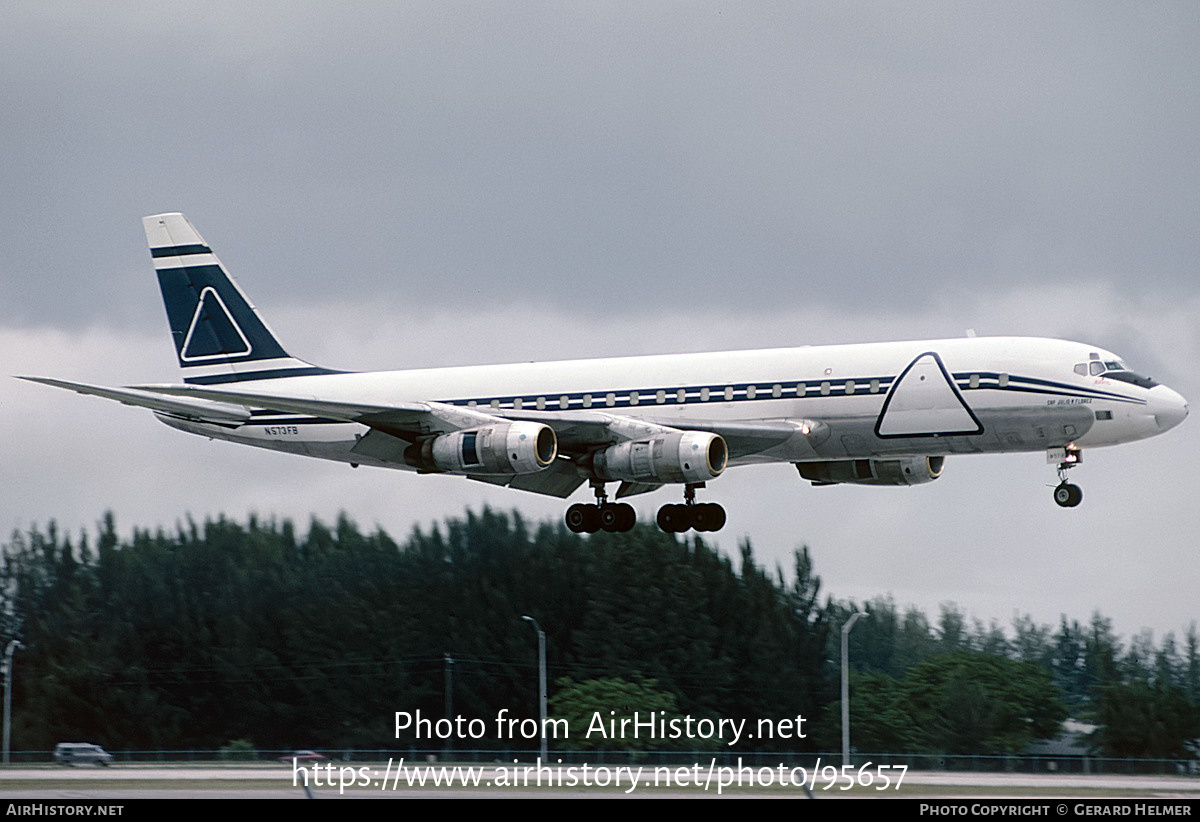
(989, 380)
(273, 374)
(813, 389)
(179, 250)
(648, 398)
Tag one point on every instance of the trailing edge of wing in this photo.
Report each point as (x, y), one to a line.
(194, 409)
(404, 420)
(295, 405)
(560, 480)
(745, 437)
(581, 430)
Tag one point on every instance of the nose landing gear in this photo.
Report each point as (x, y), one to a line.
(1066, 494)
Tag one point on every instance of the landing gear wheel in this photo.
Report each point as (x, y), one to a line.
(1068, 495)
(674, 519)
(627, 517)
(708, 517)
(619, 517)
(583, 518)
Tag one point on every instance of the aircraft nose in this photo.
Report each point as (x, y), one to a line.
(1169, 407)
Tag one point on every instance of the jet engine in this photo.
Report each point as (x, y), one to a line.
(503, 448)
(679, 456)
(905, 471)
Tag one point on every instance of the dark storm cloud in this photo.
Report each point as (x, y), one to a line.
(651, 156)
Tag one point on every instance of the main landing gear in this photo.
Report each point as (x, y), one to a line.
(608, 516)
(1066, 494)
(705, 516)
(620, 517)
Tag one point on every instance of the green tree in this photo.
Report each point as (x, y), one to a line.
(973, 703)
(595, 710)
(1143, 720)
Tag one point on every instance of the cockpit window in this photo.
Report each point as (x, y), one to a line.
(1113, 370)
(1130, 377)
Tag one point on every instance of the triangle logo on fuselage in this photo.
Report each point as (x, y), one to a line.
(925, 402)
(213, 334)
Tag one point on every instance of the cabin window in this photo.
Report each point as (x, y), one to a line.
(681, 395)
(587, 400)
(1003, 381)
(751, 391)
(729, 392)
(633, 398)
(825, 388)
(564, 401)
(849, 386)
(541, 403)
(610, 399)
(704, 394)
(660, 397)
(801, 389)
(517, 403)
(776, 390)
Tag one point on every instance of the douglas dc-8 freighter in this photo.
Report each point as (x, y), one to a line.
(871, 414)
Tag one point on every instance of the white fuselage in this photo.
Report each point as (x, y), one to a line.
(932, 397)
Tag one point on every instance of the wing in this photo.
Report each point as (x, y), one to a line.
(396, 426)
(577, 431)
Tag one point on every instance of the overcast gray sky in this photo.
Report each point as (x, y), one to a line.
(408, 184)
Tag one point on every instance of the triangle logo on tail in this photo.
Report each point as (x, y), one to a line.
(925, 402)
(213, 334)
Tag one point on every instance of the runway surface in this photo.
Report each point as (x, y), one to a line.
(381, 781)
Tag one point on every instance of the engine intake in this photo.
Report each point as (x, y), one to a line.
(680, 456)
(503, 448)
(906, 471)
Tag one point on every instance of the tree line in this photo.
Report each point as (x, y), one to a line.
(222, 631)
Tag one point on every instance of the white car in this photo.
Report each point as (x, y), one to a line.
(75, 753)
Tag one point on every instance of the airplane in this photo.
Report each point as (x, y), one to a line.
(867, 414)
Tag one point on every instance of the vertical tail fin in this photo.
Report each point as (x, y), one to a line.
(218, 334)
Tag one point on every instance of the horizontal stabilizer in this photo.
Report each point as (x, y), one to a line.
(201, 410)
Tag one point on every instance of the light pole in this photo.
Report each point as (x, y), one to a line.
(846, 684)
(541, 635)
(12, 648)
(448, 687)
